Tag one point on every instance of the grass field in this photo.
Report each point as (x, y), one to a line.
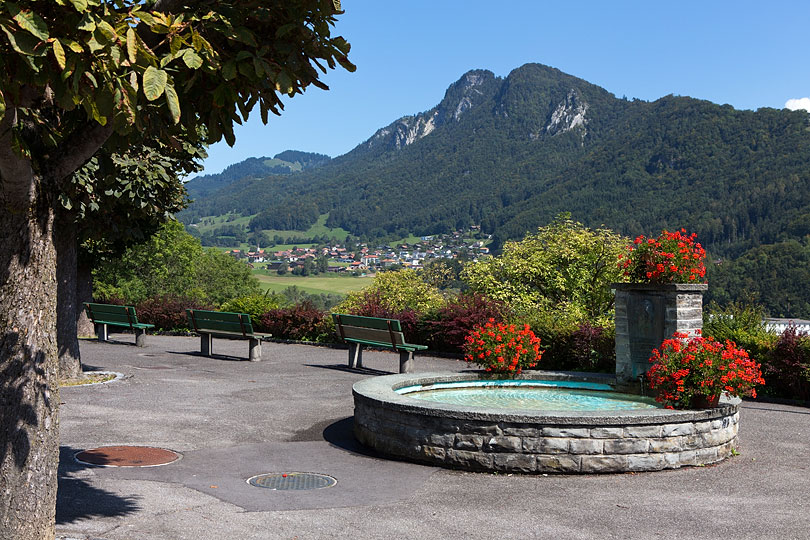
(319, 228)
(320, 284)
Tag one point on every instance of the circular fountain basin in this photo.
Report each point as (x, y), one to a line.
(542, 422)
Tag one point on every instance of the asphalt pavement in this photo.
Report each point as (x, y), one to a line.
(231, 419)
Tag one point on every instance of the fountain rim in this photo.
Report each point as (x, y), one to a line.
(381, 392)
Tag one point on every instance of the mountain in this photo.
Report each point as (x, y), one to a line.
(287, 162)
(512, 153)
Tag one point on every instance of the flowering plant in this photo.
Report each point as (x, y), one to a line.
(502, 348)
(685, 367)
(673, 257)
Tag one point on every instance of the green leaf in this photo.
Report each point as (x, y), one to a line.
(65, 201)
(132, 45)
(285, 29)
(144, 16)
(192, 59)
(87, 23)
(93, 44)
(283, 83)
(92, 78)
(59, 53)
(2, 105)
(80, 5)
(154, 82)
(25, 44)
(29, 21)
(108, 31)
(245, 36)
(228, 70)
(173, 102)
(74, 45)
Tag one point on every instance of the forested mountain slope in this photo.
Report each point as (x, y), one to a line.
(512, 153)
(287, 162)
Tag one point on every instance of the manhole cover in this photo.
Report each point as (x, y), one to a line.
(292, 481)
(127, 456)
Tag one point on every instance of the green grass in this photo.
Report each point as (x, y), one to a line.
(408, 240)
(319, 228)
(218, 221)
(320, 284)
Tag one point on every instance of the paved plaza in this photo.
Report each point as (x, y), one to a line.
(231, 419)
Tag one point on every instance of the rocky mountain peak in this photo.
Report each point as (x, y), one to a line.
(568, 115)
(460, 97)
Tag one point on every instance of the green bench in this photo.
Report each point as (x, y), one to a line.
(104, 316)
(359, 331)
(224, 324)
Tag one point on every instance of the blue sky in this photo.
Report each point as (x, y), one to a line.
(749, 54)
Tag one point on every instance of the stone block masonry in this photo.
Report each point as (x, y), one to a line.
(646, 315)
(546, 442)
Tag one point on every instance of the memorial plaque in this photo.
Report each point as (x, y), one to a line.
(647, 316)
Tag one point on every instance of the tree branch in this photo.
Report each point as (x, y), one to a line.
(16, 172)
(72, 156)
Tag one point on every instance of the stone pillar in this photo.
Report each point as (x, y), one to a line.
(646, 315)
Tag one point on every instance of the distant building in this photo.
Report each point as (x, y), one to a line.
(777, 326)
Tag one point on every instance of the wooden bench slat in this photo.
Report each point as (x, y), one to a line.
(220, 321)
(375, 332)
(106, 315)
(366, 322)
(225, 324)
(237, 335)
(112, 314)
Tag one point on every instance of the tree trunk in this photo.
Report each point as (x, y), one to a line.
(84, 293)
(29, 394)
(67, 338)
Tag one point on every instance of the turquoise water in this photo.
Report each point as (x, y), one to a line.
(531, 395)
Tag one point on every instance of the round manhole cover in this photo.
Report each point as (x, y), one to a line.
(127, 456)
(292, 481)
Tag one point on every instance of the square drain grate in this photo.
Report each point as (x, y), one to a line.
(292, 481)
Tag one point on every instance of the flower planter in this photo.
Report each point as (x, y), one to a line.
(647, 314)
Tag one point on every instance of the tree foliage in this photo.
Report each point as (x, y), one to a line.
(564, 268)
(125, 63)
(172, 262)
(396, 291)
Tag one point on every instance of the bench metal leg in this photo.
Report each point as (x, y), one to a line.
(405, 361)
(140, 338)
(255, 350)
(355, 355)
(206, 344)
(101, 332)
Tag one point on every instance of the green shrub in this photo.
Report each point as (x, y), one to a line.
(255, 305)
(168, 311)
(395, 291)
(300, 322)
(744, 324)
(565, 269)
(172, 262)
(572, 343)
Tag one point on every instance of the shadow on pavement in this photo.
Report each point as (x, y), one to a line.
(341, 435)
(226, 357)
(347, 369)
(338, 433)
(77, 499)
(764, 407)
